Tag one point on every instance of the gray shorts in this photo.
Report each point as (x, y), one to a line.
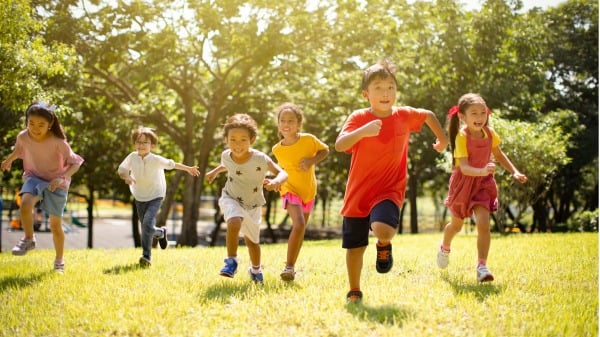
(51, 202)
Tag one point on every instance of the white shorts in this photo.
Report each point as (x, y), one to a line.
(251, 219)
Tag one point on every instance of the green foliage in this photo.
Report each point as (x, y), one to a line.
(586, 221)
(105, 293)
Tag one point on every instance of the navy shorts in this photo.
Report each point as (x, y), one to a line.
(355, 231)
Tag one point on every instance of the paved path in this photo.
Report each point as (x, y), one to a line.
(108, 233)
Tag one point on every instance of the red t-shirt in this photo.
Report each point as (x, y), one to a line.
(378, 169)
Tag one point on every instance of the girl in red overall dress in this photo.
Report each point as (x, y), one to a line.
(472, 188)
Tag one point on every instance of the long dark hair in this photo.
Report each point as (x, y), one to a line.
(46, 111)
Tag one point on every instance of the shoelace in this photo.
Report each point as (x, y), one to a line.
(382, 254)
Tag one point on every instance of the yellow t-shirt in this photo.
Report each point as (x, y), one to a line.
(460, 144)
(300, 183)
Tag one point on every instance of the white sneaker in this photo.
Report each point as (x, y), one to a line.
(23, 247)
(288, 274)
(443, 258)
(59, 267)
(484, 274)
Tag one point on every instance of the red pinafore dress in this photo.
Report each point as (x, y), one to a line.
(465, 192)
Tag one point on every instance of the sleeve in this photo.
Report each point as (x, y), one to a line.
(460, 146)
(495, 138)
(125, 166)
(167, 164)
(319, 145)
(71, 157)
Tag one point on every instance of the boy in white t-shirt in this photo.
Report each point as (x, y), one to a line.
(144, 172)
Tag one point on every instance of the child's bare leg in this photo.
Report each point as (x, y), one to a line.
(384, 232)
(482, 220)
(299, 221)
(232, 237)
(452, 228)
(28, 201)
(354, 264)
(253, 251)
(58, 236)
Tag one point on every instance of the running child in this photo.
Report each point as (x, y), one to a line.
(48, 165)
(377, 138)
(144, 172)
(475, 146)
(297, 153)
(242, 197)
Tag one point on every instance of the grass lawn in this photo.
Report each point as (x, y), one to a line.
(546, 285)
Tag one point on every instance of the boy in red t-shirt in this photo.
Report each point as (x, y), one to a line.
(377, 138)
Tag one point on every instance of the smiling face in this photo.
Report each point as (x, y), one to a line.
(239, 141)
(381, 93)
(143, 145)
(288, 124)
(38, 127)
(475, 118)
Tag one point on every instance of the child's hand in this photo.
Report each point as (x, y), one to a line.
(6, 165)
(372, 128)
(520, 177)
(211, 175)
(271, 185)
(439, 146)
(490, 168)
(59, 182)
(129, 180)
(194, 171)
(305, 164)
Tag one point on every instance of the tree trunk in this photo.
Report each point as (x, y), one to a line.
(412, 194)
(135, 228)
(90, 214)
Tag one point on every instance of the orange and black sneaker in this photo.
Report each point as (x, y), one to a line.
(385, 260)
(354, 296)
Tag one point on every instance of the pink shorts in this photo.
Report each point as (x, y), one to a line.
(293, 199)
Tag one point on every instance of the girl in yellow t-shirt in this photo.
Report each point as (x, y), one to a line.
(297, 153)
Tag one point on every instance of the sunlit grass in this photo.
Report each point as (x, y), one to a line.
(546, 285)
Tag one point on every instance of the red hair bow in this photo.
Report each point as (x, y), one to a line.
(453, 111)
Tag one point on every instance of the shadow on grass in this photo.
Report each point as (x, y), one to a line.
(122, 269)
(223, 291)
(12, 282)
(387, 315)
(481, 291)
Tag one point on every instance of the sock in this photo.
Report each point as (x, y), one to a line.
(355, 289)
(379, 244)
(59, 261)
(256, 269)
(445, 249)
(481, 262)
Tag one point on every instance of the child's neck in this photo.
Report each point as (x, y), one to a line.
(381, 114)
(290, 140)
(242, 157)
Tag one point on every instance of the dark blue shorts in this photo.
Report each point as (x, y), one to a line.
(355, 231)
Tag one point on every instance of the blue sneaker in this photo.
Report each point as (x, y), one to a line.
(230, 267)
(256, 278)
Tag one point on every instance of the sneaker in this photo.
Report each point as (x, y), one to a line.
(145, 261)
(256, 278)
(354, 296)
(59, 267)
(23, 247)
(163, 241)
(385, 260)
(484, 274)
(230, 267)
(288, 274)
(443, 257)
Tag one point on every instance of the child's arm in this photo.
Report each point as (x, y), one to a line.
(347, 140)
(275, 183)
(434, 124)
(306, 163)
(189, 169)
(7, 163)
(212, 174)
(507, 164)
(469, 170)
(124, 174)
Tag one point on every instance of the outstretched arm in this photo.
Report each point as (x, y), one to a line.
(275, 183)
(212, 174)
(507, 164)
(434, 124)
(7, 163)
(193, 170)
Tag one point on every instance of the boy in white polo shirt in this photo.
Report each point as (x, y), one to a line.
(144, 172)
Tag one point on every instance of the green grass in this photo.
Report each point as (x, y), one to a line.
(546, 285)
